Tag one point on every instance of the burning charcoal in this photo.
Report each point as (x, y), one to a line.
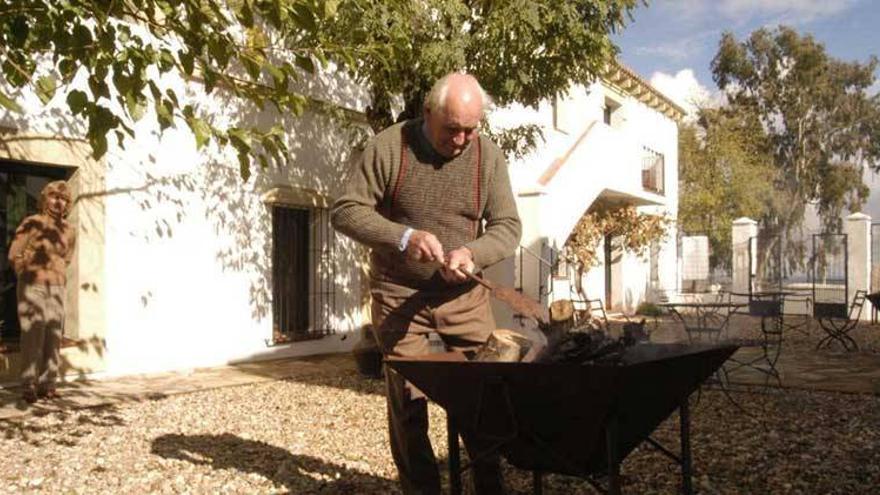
(504, 346)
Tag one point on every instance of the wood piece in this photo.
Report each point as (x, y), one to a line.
(562, 310)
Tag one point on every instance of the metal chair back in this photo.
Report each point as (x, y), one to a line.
(858, 302)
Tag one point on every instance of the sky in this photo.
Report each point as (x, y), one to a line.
(672, 42)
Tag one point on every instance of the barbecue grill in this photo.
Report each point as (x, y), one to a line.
(572, 419)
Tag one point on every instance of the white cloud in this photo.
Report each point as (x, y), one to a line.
(683, 10)
(676, 50)
(802, 10)
(684, 89)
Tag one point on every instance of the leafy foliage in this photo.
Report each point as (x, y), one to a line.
(252, 49)
(725, 172)
(633, 231)
(522, 51)
(820, 124)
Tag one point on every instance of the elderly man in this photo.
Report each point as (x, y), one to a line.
(432, 199)
(40, 252)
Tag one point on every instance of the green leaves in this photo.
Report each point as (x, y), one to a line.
(811, 108)
(45, 88)
(9, 103)
(254, 50)
(77, 101)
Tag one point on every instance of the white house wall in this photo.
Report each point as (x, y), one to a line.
(187, 247)
(608, 157)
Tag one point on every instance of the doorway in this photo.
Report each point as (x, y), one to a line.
(20, 187)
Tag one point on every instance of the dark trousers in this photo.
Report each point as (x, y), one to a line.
(402, 324)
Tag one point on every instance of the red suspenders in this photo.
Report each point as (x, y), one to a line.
(404, 162)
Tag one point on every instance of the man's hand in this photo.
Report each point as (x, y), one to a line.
(459, 262)
(425, 247)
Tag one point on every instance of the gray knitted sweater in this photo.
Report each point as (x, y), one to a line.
(459, 201)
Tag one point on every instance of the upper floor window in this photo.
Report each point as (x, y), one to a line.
(611, 113)
(652, 171)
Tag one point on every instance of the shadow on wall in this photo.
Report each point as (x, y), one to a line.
(297, 473)
(319, 145)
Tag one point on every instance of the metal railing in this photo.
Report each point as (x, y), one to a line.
(652, 171)
(543, 273)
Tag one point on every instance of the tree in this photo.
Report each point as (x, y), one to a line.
(522, 50)
(253, 49)
(632, 231)
(821, 125)
(725, 172)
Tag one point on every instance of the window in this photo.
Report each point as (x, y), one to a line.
(20, 187)
(611, 113)
(303, 302)
(606, 114)
(652, 171)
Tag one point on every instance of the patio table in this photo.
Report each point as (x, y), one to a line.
(711, 320)
(703, 319)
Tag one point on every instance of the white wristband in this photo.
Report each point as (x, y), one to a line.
(404, 240)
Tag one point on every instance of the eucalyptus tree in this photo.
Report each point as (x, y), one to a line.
(821, 124)
(726, 172)
(522, 51)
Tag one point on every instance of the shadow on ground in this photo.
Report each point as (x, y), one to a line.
(297, 473)
(41, 433)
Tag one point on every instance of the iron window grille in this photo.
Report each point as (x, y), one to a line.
(304, 299)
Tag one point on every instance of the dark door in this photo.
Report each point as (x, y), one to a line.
(20, 186)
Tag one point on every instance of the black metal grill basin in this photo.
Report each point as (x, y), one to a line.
(553, 417)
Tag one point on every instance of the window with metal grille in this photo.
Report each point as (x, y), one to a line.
(652, 171)
(303, 302)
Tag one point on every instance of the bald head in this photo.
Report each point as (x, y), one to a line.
(453, 110)
(461, 85)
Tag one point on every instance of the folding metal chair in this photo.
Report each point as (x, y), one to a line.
(798, 312)
(838, 322)
(768, 343)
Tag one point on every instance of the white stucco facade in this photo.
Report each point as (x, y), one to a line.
(179, 266)
(584, 162)
(174, 264)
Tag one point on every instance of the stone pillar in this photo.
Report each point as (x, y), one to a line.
(743, 230)
(857, 228)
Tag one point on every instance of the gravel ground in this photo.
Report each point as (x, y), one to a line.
(327, 435)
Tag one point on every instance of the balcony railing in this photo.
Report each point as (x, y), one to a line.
(652, 171)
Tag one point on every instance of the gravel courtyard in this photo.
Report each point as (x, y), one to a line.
(325, 433)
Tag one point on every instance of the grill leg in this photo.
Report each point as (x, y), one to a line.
(537, 482)
(613, 462)
(454, 456)
(685, 417)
